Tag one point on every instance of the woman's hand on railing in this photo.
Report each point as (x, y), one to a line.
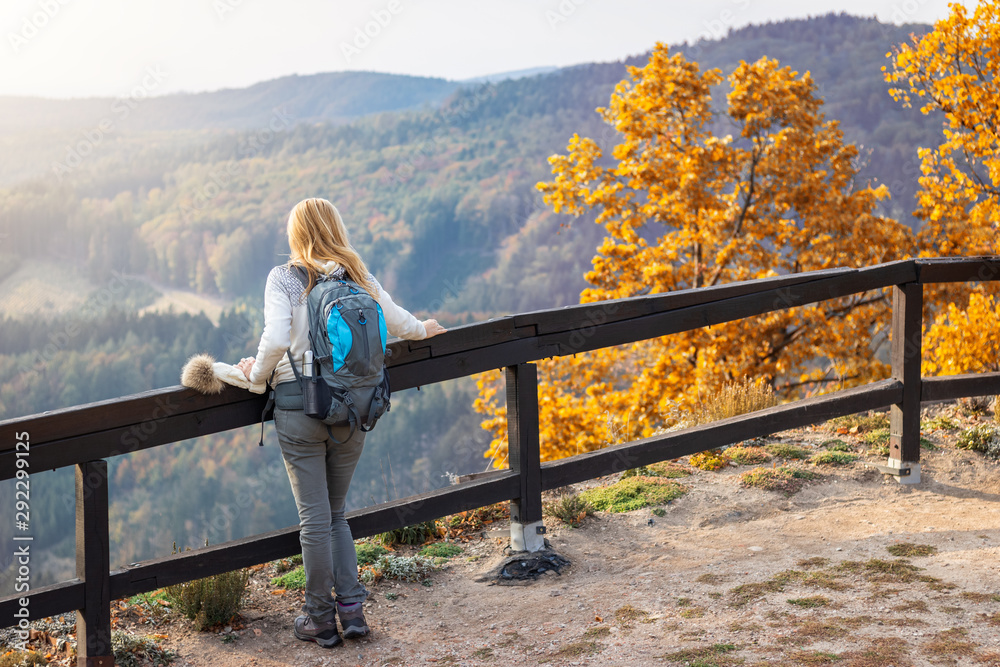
(433, 328)
(246, 365)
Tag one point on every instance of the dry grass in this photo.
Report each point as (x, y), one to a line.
(950, 643)
(736, 398)
(880, 653)
(706, 656)
(909, 550)
(628, 614)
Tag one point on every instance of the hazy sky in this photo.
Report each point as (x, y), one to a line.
(79, 48)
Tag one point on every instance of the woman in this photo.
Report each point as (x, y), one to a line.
(319, 468)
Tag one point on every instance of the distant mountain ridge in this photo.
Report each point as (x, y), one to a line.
(336, 97)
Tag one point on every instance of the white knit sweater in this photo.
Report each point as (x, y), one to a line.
(286, 323)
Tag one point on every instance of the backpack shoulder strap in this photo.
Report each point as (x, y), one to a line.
(301, 274)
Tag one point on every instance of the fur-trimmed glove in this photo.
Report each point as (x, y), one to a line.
(208, 376)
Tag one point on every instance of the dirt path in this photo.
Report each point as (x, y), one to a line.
(728, 576)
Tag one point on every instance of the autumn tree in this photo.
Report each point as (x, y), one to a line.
(952, 71)
(685, 206)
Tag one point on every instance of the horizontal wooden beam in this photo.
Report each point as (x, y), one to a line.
(958, 269)
(718, 434)
(175, 414)
(580, 316)
(64, 597)
(948, 387)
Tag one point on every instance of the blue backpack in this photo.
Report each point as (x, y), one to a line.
(348, 383)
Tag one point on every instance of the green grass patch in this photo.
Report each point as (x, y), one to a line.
(633, 493)
(833, 458)
(441, 550)
(748, 456)
(786, 451)
(294, 579)
(837, 445)
(369, 552)
(939, 423)
(783, 478)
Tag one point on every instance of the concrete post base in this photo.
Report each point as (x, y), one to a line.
(912, 478)
(527, 537)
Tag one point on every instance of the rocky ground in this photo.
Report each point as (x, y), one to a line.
(853, 570)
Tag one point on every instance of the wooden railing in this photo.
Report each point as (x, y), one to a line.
(85, 436)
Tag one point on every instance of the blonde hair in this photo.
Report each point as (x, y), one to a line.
(316, 235)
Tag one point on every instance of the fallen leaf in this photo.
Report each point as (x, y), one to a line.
(278, 591)
(257, 631)
(598, 619)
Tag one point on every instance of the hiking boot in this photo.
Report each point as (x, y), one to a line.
(324, 634)
(352, 620)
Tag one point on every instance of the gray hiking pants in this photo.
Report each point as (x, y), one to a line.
(320, 472)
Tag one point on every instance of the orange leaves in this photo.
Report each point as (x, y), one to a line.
(686, 208)
(952, 69)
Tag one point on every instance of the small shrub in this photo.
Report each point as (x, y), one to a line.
(571, 510)
(369, 552)
(784, 451)
(294, 579)
(748, 456)
(441, 550)
(211, 600)
(972, 406)
(139, 651)
(833, 458)
(979, 438)
(416, 534)
(736, 398)
(633, 493)
(713, 459)
(785, 479)
(402, 568)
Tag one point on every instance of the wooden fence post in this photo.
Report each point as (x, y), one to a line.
(93, 622)
(526, 528)
(904, 417)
